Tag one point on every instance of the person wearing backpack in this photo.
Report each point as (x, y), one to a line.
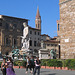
(32, 63)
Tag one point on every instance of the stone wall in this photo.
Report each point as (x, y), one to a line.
(12, 29)
(67, 29)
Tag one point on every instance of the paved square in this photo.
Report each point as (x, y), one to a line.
(45, 72)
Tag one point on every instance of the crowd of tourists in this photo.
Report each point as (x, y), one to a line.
(32, 64)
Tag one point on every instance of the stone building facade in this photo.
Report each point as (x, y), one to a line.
(48, 45)
(11, 30)
(45, 37)
(66, 28)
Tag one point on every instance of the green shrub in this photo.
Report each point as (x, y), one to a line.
(52, 63)
(63, 63)
(43, 62)
(59, 64)
(49, 62)
(20, 63)
(15, 63)
(23, 63)
(70, 63)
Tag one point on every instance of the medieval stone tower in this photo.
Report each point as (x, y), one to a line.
(66, 28)
(38, 20)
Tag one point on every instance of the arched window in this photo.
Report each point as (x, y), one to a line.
(38, 33)
(15, 25)
(35, 43)
(30, 32)
(15, 42)
(7, 26)
(35, 32)
(38, 25)
(58, 27)
(22, 27)
(30, 42)
(0, 22)
(7, 41)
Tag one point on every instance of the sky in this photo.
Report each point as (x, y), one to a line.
(49, 12)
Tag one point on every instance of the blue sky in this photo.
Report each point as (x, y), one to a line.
(49, 11)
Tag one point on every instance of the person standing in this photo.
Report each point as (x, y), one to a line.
(3, 66)
(37, 66)
(28, 65)
(10, 70)
(32, 63)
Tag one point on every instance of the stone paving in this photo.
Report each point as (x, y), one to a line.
(45, 72)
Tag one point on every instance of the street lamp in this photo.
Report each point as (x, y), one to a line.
(59, 51)
(0, 55)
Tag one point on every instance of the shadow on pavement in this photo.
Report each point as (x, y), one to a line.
(44, 71)
(0, 73)
(51, 74)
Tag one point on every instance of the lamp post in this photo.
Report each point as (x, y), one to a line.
(0, 55)
(0, 52)
(59, 50)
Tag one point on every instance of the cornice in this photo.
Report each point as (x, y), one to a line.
(64, 2)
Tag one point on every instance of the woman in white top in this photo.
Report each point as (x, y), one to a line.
(37, 66)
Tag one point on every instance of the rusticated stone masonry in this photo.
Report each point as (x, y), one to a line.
(67, 28)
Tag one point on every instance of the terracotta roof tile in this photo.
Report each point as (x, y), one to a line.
(51, 41)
